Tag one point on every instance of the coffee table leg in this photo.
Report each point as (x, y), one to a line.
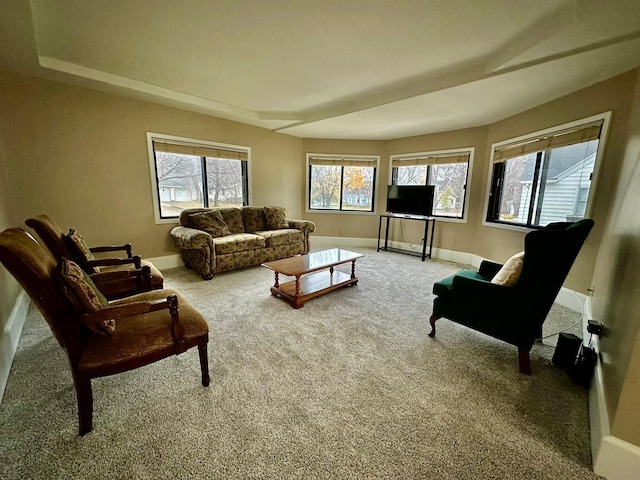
(353, 269)
(330, 270)
(297, 286)
(276, 285)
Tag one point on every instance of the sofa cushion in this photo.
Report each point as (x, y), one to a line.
(254, 219)
(233, 218)
(83, 294)
(210, 222)
(276, 218)
(275, 238)
(238, 242)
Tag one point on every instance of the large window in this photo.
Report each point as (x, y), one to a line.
(192, 173)
(448, 171)
(544, 178)
(341, 183)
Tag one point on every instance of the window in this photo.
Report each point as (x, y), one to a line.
(193, 173)
(447, 171)
(544, 178)
(341, 183)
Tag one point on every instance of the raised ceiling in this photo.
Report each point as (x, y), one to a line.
(357, 69)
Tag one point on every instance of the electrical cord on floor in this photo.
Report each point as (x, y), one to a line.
(409, 245)
(567, 328)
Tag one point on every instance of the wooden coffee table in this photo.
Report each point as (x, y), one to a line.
(314, 275)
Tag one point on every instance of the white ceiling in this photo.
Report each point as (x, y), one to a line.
(358, 69)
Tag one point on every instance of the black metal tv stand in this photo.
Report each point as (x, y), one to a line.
(426, 239)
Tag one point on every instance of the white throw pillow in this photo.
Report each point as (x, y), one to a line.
(510, 271)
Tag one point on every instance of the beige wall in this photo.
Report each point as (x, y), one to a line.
(80, 156)
(9, 288)
(616, 299)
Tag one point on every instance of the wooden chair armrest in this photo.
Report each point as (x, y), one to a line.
(106, 262)
(114, 248)
(142, 275)
(118, 312)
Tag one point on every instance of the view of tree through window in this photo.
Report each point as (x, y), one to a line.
(545, 186)
(345, 188)
(449, 180)
(190, 181)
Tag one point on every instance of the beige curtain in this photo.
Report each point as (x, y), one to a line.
(430, 159)
(563, 138)
(198, 150)
(343, 162)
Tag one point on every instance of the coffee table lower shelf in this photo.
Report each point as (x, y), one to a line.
(312, 285)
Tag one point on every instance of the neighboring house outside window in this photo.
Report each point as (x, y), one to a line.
(448, 171)
(343, 183)
(188, 173)
(544, 178)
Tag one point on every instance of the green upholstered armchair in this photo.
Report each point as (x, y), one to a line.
(514, 314)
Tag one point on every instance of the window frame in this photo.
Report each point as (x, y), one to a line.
(376, 176)
(449, 152)
(605, 117)
(161, 137)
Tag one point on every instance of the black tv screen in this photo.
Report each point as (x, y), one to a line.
(410, 199)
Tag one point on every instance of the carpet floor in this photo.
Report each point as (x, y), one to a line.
(349, 386)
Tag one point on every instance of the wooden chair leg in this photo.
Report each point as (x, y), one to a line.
(84, 396)
(204, 364)
(523, 361)
(432, 321)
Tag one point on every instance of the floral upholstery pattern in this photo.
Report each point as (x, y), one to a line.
(233, 219)
(254, 219)
(83, 294)
(207, 255)
(276, 218)
(211, 222)
(238, 242)
(78, 247)
(283, 236)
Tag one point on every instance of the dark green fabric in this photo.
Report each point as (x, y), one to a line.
(514, 314)
(445, 286)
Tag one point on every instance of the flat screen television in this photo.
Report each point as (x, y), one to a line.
(410, 199)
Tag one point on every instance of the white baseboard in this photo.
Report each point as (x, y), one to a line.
(11, 336)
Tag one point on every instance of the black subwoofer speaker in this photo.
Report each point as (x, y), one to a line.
(566, 350)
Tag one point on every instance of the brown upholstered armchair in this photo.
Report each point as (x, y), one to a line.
(115, 277)
(101, 338)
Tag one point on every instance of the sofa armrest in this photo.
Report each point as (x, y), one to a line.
(306, 226)
(191, 238)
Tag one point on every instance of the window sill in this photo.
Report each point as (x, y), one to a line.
(340, 212)
(504, 226)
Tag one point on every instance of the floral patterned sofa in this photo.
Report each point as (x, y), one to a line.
(213, 240)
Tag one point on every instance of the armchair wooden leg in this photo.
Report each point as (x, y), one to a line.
(84, 396)
(523, 361)
(432, 321)
(204, 364)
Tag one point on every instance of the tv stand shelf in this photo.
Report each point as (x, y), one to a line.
(426, 239)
